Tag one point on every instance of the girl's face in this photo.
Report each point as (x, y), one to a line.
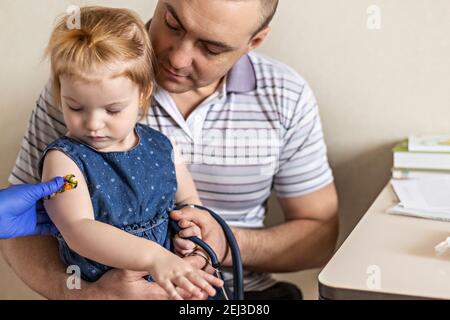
(101, 113)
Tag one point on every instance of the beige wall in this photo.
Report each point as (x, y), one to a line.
(374, 87)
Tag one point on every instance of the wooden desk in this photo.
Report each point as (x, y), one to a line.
(398, 252)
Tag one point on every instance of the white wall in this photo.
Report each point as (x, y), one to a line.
(374, 87)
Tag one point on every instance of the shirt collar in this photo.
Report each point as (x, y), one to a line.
(242, 77)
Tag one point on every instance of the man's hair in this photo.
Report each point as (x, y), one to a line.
(106, 37)
(269, 7)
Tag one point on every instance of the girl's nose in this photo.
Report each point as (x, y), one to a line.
(94, 123)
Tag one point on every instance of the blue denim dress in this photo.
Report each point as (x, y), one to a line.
(132, 190)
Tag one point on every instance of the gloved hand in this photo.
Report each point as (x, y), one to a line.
(21, 212)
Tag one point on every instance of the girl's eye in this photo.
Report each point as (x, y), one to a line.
(112, 112)
(75, 109)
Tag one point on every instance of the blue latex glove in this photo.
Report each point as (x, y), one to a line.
(21, 212)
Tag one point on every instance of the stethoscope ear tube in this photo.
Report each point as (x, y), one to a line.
(238, 272)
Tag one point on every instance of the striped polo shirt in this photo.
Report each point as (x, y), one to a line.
(260, 131)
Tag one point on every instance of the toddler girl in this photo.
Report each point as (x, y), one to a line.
(128, 181)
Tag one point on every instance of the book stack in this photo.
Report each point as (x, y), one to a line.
(421, 177)
(421, 157)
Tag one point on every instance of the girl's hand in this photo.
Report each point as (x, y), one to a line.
(171, 272)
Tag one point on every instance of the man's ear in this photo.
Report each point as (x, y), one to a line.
(258, 39)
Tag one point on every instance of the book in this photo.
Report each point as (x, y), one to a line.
(418, 173)
(429, 143)
(408, 160)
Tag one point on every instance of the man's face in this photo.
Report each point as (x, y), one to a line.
(196, 42)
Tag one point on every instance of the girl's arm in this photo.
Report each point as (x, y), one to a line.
(186, 190)
(73, 215)
(187, 194)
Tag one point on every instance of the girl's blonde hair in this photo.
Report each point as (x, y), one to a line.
(106, 37)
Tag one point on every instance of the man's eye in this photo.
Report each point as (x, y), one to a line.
(174, 28)
(171, 22)
(211, 52)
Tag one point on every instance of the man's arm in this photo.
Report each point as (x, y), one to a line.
(42, 270)
(35, 260)
(306, 240)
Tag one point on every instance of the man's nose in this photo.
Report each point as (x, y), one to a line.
(181, 56)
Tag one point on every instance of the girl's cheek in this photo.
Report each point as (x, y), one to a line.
(74, 122)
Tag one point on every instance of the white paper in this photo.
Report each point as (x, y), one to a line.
(424, 194)
(399, 210)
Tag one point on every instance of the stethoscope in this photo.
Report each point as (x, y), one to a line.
(238, 274)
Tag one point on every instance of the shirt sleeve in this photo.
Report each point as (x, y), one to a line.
(46, 125)
(303, 166)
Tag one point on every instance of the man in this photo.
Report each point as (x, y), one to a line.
(245, 124)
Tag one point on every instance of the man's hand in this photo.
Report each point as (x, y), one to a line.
(189, 229)
(19, 212)
(211, 231)
(127, 285)
(199, 262)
